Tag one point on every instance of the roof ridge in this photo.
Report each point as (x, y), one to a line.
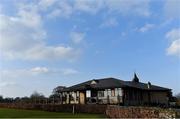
(105, 78)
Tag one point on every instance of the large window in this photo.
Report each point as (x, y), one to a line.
(88, 93)
(105, 93)
(72, 96)
(109, 92)
(77, 96)
(100, 93)
(119, 91)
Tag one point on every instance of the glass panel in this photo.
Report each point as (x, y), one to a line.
(100, 93)
(120, 91)
(73, 94)
(116, 92)
(77, 93)
(88, 93)
(105, 93)
(109, 92)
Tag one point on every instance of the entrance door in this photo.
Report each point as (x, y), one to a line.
(82, 98)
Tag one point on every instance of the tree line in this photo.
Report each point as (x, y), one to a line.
(35, 97)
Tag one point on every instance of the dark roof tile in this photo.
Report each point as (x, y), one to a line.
(106, 83)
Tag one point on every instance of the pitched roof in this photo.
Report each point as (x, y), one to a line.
(106, 83)
(144, 86)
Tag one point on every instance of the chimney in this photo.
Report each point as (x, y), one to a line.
(149, 85)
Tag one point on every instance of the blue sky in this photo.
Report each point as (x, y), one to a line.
(47, 43)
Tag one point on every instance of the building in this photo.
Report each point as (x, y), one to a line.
(114, 91)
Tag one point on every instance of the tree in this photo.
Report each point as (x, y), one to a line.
(37, 97)
(25, 99)
(177, 96)
(8, 100)
(177, 99)
(1, 99)
(17, 99)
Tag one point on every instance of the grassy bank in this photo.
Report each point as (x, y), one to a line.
(18, 113)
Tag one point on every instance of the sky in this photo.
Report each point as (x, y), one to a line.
(50, 43)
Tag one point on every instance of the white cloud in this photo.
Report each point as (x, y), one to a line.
(45, 53)
(5, 84)
(89, 6)
(77, 37)
(174, 37)
(23, 37)
(45, 70)
(174, 48)
(44, 4)
(174, 34)
(63, 9)
(55, 13)
(14, 74)
(35, 72)
(11, 89)
(111, 22)
(53, 53)
(146, 27)
(132, 7)
(14, 32)
(69, 71)
(172, 8)
(29, 18)
(40, 70)
(125, 7)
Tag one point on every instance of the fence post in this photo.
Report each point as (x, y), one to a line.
(73, 110)
(108, 101)
(118, 97)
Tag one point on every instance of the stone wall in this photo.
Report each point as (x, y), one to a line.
(140, 112)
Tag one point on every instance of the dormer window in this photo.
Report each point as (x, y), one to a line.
(93, 82)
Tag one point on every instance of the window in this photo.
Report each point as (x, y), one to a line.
(88, 93)
(100, 93)
(105, 93)
(112, 92)
(71, 96)
(77, 93)
(93, 82)
(74, 95)
(119, 91)
(109, 92)
(116, 91)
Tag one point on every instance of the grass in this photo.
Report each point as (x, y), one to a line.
(19, 113)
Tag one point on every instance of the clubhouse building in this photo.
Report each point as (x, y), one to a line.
(113, 91)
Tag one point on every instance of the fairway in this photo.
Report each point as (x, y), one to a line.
(18, 113)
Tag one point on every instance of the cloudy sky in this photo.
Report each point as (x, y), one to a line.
(46, 43)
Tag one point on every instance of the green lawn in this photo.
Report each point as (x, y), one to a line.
(17, 113)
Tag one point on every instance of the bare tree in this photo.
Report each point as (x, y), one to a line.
(177, 95)
(37, 97)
